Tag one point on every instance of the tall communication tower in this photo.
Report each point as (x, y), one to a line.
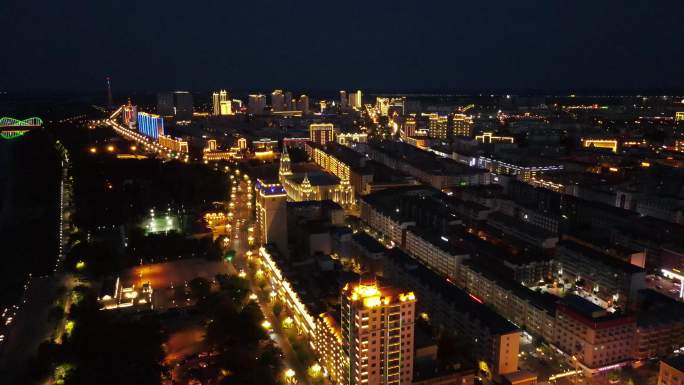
(110, 103)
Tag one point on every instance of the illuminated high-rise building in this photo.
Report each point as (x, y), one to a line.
(150, 125)
(344, 101)
(438, 126)
(303, 104)
(216, 103)
(256, 104)
(130, 115)
(277, 100)
(377, 330)
(382, 105)
(226, 107)
(356, 100)
(462, 125)
(218, 98)
(409, 127)
(321, 133)
(271, 214)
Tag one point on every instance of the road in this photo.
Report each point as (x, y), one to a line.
(147, 143)
(27, 325)
(664, 285)
(239, 241)
(30, 326)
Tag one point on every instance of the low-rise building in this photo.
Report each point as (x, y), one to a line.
(285, 291)
(660, 326)
(429, 168)
(598, 340)
(614, 281)
(671, 371)
(489, 337)
(328, 344)
(534, 311)
(523, 231)
(434, 251)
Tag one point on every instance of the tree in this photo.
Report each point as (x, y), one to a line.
(277, 309)
(103, 349)
(199, 287)
(179, 293)
(233, 287)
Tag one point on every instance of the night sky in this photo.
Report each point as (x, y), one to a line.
(372, 44)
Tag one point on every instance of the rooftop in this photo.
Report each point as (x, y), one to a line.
(527, 228)
(544, 301)
(388, 201)
(583, 306)
(599, 257)
(369, 243)
(424, 160)
(317, 178)
(457, 298)
(439, 240)
(676, 362)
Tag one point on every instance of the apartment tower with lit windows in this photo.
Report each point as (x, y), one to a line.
(377, 330)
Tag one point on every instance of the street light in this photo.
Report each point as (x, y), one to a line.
(315, 370)
(289, 375)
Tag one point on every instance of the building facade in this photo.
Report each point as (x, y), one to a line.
(271, 214)
(671, 371)
(438, 126)
(599, 341)
(462, 125)
(377, 329)
(321, 133)
(150, 125)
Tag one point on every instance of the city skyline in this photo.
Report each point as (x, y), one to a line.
(350, 193)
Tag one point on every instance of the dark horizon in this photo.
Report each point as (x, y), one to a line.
(334, 93)
(578, 45)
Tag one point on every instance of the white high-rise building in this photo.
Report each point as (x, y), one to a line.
(217, 99)
(356, 100)
(216, 103)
